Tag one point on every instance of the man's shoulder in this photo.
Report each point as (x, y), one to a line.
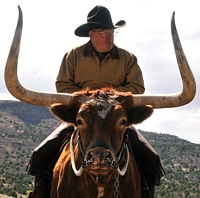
(79, 47)
(125, 52)
(76, 50)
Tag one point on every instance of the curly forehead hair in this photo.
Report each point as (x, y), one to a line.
(101, 97)
(103, 92)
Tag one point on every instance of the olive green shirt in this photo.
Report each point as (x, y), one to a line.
(81, 68)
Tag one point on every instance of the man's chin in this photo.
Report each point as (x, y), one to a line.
(109, 47)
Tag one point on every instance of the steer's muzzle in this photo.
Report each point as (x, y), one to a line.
(99, 164)
(100, 159)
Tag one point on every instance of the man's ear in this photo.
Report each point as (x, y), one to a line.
(63, 113)
(138, 114)
(90, 35)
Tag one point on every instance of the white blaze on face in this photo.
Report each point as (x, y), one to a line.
(104, 111)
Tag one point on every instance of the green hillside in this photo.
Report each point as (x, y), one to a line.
(24, 126)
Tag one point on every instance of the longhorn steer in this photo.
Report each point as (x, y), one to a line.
(101, 118)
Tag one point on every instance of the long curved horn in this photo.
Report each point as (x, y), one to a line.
(13, 84)
(189, 86)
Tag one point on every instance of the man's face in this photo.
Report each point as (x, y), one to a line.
(102, 39)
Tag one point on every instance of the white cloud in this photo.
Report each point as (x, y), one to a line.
(181, 122)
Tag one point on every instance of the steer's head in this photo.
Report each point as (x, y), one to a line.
(101, 118)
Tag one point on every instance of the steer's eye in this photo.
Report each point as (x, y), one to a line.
(79, 122)
(123, 122)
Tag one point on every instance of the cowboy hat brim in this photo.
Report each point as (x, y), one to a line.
(84, 29)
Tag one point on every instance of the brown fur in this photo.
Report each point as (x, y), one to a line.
(84, 113)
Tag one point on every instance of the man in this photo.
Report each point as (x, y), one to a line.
(99, 64)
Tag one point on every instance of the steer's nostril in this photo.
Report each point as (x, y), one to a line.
(104, 155)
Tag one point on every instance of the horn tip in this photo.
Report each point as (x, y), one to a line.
(19, 8)
(173, 15)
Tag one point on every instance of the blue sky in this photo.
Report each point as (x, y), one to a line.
(48, 33)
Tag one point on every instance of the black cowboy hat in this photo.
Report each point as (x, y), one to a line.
(99, 17)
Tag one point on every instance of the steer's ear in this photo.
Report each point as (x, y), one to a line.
(139, 114)
(63, 113)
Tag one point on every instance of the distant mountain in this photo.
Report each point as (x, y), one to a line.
(24, 126)
(28, 113)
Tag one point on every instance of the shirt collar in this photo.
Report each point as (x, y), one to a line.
(89, 51)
